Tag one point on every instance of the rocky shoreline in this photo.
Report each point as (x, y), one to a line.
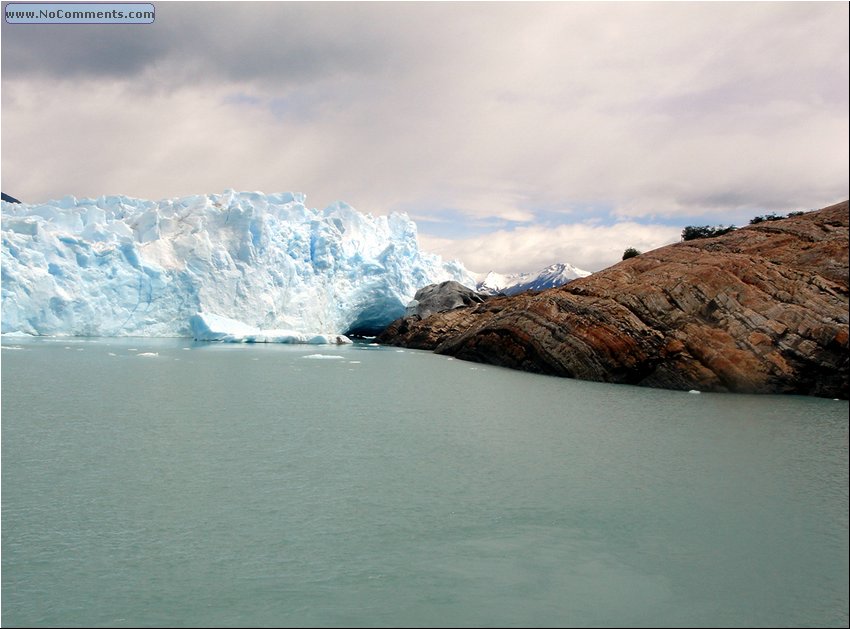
(763, 309)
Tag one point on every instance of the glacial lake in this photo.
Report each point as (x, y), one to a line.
(260, 485)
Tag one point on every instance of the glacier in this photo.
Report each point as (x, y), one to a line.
(237, 266)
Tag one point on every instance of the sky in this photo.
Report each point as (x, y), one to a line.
(516, 134)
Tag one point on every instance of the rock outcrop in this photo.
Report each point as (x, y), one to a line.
(441, 297)
(763, 309)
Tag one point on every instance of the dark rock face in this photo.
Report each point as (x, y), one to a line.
(763, 309)
(441, 297)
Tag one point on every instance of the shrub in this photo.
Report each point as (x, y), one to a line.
(767, 217)
(692, 232)
(631, 252)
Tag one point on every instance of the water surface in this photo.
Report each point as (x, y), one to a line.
(259, 485)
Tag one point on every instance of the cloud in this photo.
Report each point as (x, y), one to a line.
(201, 43)
(585, 245)
(499, 112)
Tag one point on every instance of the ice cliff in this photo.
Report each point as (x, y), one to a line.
(265, 267)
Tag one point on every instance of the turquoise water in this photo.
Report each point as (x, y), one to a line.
(258, 486)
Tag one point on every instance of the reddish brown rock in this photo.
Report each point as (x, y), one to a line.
(763, 309)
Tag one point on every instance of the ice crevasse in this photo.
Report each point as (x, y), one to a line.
(237, 266)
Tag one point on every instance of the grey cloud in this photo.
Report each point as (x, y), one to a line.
(65, 52)
(198, 42)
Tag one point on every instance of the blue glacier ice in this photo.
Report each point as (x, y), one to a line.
(234, 266)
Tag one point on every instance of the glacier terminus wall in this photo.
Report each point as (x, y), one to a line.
(231, 266)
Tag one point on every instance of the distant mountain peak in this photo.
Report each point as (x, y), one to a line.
(552, 276)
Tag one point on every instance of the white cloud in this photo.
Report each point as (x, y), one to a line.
(494, 109)
(587, 246)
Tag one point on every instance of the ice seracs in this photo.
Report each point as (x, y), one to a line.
(235, 266)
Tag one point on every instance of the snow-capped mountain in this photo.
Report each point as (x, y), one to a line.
(231, 266)
(555, 275)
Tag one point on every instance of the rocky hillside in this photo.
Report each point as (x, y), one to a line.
(763, 309)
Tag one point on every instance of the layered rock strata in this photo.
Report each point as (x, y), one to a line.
(763, 309)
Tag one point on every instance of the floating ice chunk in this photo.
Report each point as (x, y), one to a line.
(694, 391)
(323, 357)
(150, 354)
(210, 327)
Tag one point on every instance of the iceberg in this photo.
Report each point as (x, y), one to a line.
(237, 266)
(207, 327)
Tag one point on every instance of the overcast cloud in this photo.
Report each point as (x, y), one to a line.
(516, 134)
